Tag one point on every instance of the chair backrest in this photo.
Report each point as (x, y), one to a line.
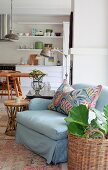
(103, 98)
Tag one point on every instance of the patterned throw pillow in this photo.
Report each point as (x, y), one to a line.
(65, 87)
(63, 102)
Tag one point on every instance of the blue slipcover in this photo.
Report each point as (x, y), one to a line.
(52, 150)
(48, 123)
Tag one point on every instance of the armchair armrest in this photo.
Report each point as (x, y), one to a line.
(39, 104)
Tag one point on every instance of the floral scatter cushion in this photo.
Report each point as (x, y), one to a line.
(64, 101)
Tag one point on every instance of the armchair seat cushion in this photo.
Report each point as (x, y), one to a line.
(47, 122)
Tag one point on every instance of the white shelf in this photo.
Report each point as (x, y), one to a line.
(41, 37)
(26, 49)
(41, 23)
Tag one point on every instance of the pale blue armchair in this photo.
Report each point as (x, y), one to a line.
(45, 131)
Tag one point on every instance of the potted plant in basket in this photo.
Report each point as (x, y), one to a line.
(87, 139)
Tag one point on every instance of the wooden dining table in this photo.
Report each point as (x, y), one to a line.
(15, 77)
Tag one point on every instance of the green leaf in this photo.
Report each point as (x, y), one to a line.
(68, 119)
(106, 116)
(105, 126)
(106, 111)
(95, 123)
(79, 115)
(76, 129)
(99, 115)
(101, 121)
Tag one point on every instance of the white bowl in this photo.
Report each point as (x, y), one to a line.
(20, 34)
(27, 34)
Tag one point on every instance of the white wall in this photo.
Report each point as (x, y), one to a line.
(8, 53)
(36, 6)
(91, 23)
(90, 31)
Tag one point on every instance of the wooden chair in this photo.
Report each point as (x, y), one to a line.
(15, 86)
(5, 88)
(11, 86)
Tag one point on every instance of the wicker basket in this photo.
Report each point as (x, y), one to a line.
(87, 154)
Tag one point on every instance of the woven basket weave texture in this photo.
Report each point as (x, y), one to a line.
(87, 154)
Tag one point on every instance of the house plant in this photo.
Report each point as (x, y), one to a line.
(87, 139)
(36, 73)
(37, 83)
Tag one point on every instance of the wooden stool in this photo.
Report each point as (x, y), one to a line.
(12, 108)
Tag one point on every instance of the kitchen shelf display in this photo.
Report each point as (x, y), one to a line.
(29, 49)
(40, 23)
(58, 40)
(46, 32)
(31, 36)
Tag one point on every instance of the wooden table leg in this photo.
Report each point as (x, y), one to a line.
(19, 87)
(16, 87)
(8, 87)
(11, 126)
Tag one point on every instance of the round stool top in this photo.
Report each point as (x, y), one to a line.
(14, 103)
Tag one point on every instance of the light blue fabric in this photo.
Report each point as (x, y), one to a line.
(53, 151)
(49, 123)
(39, 104)
(60, 153)
(36, 142)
